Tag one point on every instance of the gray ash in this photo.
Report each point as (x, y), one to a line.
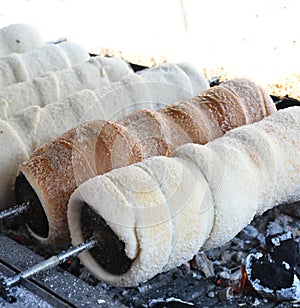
(211, 279)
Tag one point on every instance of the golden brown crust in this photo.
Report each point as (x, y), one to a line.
(268, 103)
(186, 116)
(96, 147)
(45, 172)
(224, 107)
(257, 102)
(113, 140)
(147, 127)
(57, 168)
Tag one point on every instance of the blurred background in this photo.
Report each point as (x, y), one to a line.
(244, 38)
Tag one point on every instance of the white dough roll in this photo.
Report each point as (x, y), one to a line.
(36, 125)
(55, 86)
(261, 165)
(179, 81)
(16, 67)
(157, 211)
(182, 197)
(19, 38)
(13, 150)
(227, 182)
(138, 136)
(220, 186)
(154, 88)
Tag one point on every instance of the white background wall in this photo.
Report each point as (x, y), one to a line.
(259, 39)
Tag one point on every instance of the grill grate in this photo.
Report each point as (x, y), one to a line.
(54, 287)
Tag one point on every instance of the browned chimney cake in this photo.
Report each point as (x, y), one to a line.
(55, 170)
(26, 131)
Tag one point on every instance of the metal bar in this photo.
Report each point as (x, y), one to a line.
(5, 284)
(58, 282)
(57, 41)
(36, 291)
(14, 211)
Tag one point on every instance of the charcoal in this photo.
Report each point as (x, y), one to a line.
(170, 302)
(226, 294)
(284, 102)
(282, 248)
(292, 210)
(201, 263)
(188, 282)
(273, 274)
(249, 233)
(214, 81)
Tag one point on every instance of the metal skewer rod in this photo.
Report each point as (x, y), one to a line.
(14, 211)
(57, 41)
(5, 284)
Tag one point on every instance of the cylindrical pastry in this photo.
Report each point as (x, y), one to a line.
(57, 168)
(54, 86)
(36, 62)
(19, 38)
(25, 132)
(155, 215)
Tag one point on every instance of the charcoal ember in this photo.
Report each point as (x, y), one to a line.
(214, 81)
(274, 228)
(273, 274)
(227, 256)
(282, 102)
(169, 302)
(262, 240)
(249, 233)
(72, 266)
(182, 270)
(211, 294)
(230, 277)
(226, 294)
(283, 249)
(292, 210)
(216, 253)
(202, 264)
(238, 244)
(86, 276)
(185, 268)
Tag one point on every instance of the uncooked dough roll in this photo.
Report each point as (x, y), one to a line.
(97, 147)
(19, 38)
(36, 62)
(156, 214)
(34, 126)
(54, 86)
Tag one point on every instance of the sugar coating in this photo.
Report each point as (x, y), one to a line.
(37, 125)
(19, 38)
(98, 146)
(54, 86)
(17, 67)
(261, 162)
(182, 203)
(256, 98)
(225, 173)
